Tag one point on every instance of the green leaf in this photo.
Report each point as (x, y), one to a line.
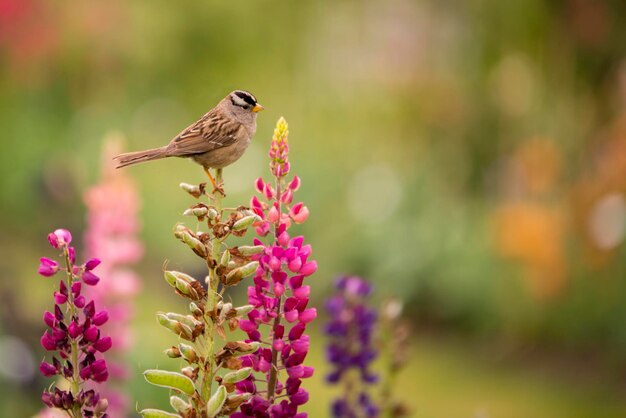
(215, 404)
(157, 413)
(170, 380)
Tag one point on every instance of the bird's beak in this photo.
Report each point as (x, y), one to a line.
(257, 108)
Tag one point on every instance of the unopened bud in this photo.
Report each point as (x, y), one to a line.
(179, 404)
(188, 352)
(237, 375)
(179, 230)
(225, 258)
(247, 250)
(212, 214)
(191, 189)
(172, 276)
(190, 372)
(215, 404)
(238, 398)
(247, 348)
(245, 222)
(249, 268)
(243, 310)
(195, 244)
(198, 212)
(172, 352)
(187, 320)
(186, 289)
(238, 274)
(176, 327)
(226, 308)
(195, 309)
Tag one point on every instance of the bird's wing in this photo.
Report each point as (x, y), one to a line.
(212, 131)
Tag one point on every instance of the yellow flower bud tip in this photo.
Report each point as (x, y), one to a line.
(282, 128)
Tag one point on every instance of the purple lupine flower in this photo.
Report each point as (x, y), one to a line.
(350, 330)
(279, 296)
(74, 337)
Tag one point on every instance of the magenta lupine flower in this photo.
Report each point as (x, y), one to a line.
(47, 267)
(73, 335)
(351, 347)
(279, 296)
(112, 233)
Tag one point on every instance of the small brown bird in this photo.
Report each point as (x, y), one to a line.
(216, 140)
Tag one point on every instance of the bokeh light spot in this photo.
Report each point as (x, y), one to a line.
(21, 365)
(607, 221)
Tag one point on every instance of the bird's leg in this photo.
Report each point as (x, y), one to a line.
(216, 187)
(220, 182)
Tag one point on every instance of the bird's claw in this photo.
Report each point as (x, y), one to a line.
(219, 188)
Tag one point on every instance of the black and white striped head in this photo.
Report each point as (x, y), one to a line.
(245, 100)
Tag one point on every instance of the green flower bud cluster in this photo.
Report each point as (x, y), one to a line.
(205, 384)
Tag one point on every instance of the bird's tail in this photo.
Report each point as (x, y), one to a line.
(131, 158)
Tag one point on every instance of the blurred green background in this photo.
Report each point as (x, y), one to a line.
(468, 157)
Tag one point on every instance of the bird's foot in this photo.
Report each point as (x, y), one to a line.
(219, 188)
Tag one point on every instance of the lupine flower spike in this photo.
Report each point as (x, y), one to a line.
(351, 348)
(112, 233)
(212, 365)
(279, 296)
(73, 334)
(393, 339)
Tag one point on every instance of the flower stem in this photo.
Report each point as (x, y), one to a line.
(74, 383)
(212, 299)
(271, 384)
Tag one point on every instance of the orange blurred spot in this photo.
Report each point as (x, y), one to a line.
(532, 234)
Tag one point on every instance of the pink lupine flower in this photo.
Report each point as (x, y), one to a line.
(279, 296)
(112, 234)
(48, 267)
